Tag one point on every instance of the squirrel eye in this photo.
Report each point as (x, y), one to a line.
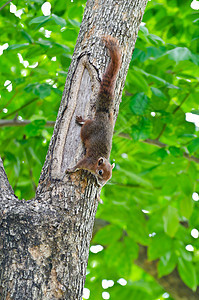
(100, 172)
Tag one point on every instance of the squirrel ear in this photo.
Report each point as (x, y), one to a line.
(100, 161)
(113, 165)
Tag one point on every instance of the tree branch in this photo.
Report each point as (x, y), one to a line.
(175, 110)
(9, 101)
(14, 122)
(5, 4)
(21, 107)
(155, 142)
(162, 145)
(5, 187)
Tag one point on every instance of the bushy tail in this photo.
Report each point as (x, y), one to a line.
(107, 86)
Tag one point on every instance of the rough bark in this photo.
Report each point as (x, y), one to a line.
(44, 243)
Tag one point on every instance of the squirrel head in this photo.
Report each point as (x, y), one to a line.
(103, 170)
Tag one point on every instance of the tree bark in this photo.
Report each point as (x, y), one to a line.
(44, 242)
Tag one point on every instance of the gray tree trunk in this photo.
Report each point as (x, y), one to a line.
(44, 243)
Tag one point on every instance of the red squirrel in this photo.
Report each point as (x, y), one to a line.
(96, 134)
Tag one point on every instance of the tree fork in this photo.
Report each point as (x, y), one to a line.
(44, 242)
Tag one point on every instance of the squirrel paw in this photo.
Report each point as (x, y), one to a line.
(71, 170)
(80, 120)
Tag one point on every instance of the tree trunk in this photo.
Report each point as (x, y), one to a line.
(44, 242)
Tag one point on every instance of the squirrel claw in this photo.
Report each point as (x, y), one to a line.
(70, 170)
(80, 120)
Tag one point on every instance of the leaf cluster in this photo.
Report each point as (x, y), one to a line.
(36, 54)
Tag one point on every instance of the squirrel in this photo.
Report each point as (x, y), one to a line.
(96, 134)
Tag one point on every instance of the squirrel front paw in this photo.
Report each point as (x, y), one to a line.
(80, 120)
(71, 170)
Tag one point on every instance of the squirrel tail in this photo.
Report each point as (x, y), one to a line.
(107, 86)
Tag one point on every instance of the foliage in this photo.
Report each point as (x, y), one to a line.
(149, 199)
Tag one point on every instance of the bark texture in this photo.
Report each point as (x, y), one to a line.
(44, 243)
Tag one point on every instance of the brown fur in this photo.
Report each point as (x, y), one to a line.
(96, 134)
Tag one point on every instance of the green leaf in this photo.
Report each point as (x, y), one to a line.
(74, 23)
(19, 80)
(34, 51)
(160, 244)
(29, 88)
(137, 227)
(167, 264)
(70, 34)
(139, 54)
(187, 273)
(10, 156)
(142, 131)
(42, 90)
(17, 46)
(159, 79)
(137, 80)
(116, 257)
(193, 145)
(158, 93)
(120, 255)
(75, 12)
(196, 112)
(39, 20)
(108, 235)
(27, 36)
(131, 247)
(170, 185)
(44, 43)
(17, 168)
(58, 20)
(155, 39)
(136, 178)
(161, 153)
(34, 155)
(171, 221)
(186, 184)
(175, 151)
(64, 47)
(139, 103)
(179, 54)
(158, 101)
(32, 130)
(181, 251)
(186, 207)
